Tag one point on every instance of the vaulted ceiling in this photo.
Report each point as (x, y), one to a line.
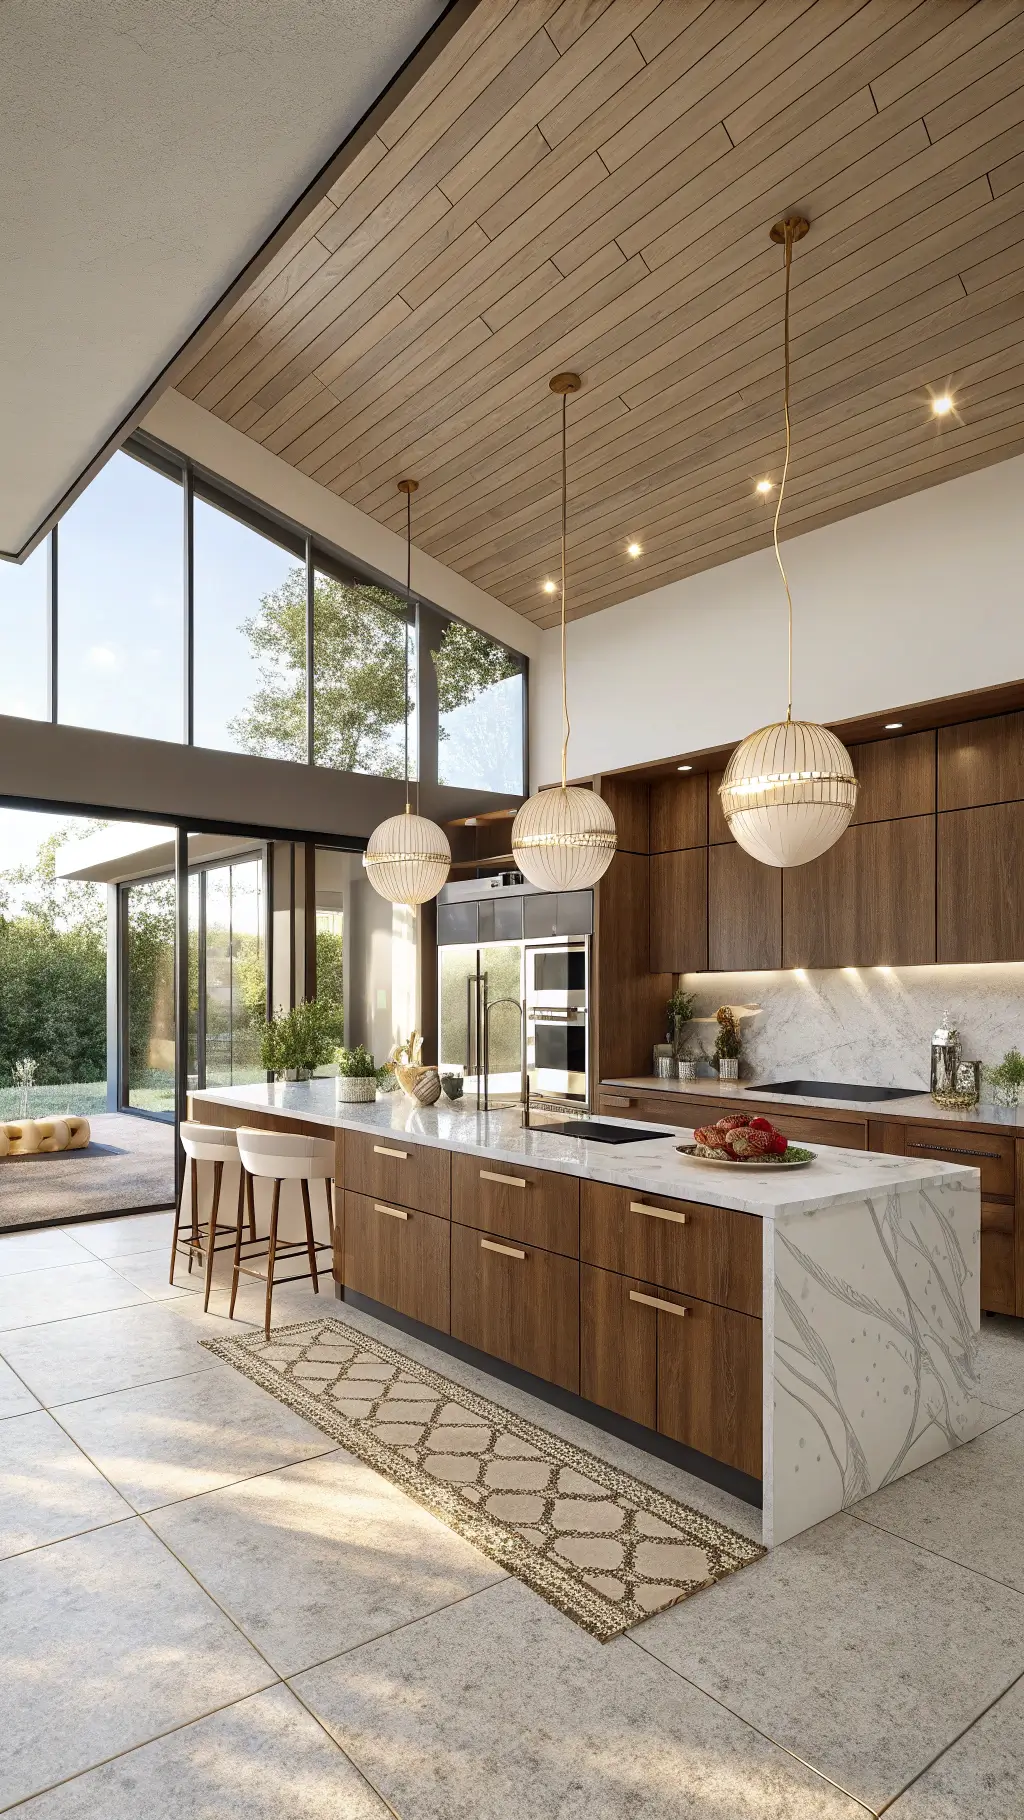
(590, 184)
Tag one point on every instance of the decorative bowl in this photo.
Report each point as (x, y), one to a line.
(423, 1085)
(795, 1157)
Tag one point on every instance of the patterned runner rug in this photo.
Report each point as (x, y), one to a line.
(602, 1546)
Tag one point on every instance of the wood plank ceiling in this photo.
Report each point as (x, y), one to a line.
(589, 184)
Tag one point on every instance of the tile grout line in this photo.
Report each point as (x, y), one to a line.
(952, 1744)
(937, 1555)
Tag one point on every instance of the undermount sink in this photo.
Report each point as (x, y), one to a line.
(837, 1090)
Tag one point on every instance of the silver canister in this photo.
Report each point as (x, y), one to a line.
(664, 1065)
(945, 1057)
(968, 1082)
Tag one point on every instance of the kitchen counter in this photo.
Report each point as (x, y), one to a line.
(917, 1106)
(834, 1311)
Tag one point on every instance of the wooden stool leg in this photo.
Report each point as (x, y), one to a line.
(330, 1209)
(177, 1229)
(275, 1204)
(218, 1172)
(252, 1205)
(194, 1244)
(236, 1262)
(310, 1243)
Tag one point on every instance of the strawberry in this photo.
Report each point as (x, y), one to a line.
(780, 1144)
(761, 1124)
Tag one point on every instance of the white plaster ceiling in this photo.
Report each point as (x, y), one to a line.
(148, 148)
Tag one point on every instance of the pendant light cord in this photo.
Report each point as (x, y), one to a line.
(565, 697)
(785, 472)
(408, 589)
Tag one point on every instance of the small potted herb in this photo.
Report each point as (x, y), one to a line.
(357, 1075)
(728, 1046)
(681, 1008)
(298, 1041)
(1007, 1078)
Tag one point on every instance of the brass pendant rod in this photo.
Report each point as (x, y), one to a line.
(793, 229)
(408, 487)
(565, 696)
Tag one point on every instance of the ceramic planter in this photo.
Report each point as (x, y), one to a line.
(729, 1068)
(355, 1089)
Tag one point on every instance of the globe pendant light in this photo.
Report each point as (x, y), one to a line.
(564, 839)
(407, 857)
(788, 791)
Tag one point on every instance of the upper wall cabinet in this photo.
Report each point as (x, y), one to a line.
(980, 867)
(718, 827)
(679, 812)
(679, 911)
(982, 761)
(868, 902)
(896, 777)
(629, 801)
(744, 911)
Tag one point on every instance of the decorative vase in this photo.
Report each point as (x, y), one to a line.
(355, 1089)
(422, 1085)
(729, 1068)
(452, 1085)
(686, 1068)
(293, 1074)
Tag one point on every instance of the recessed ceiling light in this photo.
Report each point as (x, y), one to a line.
(942, 405)
(764, 486)
(634, 549)
(891, 725)
(550, 587)
(684, 767)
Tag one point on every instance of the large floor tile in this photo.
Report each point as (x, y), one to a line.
(1001, 1362)
(40, 1250)
(981, 1777)
(262, 1759)
(148, 1270)
(15, 1398)
(321, 1556)
(176, 1439)
(103, 1352)
(35, 1296)
(864, 1655)
(123, 1237)
(500, 1708)
(105, 1641)
(48, 1489)
(967, 1505)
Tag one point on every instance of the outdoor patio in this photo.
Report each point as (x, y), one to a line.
(128, 1163)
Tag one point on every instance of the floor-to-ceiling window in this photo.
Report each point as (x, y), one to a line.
(481, 711)
(250, 638)
(364, 677)
(148, 996)
(231, 964)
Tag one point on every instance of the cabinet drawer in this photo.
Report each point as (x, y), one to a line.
(709, 1252)
(651, 1108)
(975, 1149)
(535, 1206)
(399, 1256)
(618, 1346)
(998, 1259)
(850, 1134)
(709, 1381)
(517, 1303)
(392, 1169)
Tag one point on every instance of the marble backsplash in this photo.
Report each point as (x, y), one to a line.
(871, 1025)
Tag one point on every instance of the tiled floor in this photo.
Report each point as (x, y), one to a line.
(209, 1611)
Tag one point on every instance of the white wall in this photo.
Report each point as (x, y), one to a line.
(236, 458)
(914, 600)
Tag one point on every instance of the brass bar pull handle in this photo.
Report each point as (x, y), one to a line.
(609, 1101)
(397, 1213)
(655, 1301)
(657, 1213)
(514, 1181)
(401, 1156)
(508, 1251)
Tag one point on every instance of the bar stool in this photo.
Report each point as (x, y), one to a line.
(279, 1156)
(207, 1144)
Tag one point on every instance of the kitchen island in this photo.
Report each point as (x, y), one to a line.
(801, 1337)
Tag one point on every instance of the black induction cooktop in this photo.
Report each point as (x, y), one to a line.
(597, 1132)
(837, 1090)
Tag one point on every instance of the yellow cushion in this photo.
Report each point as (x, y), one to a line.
(24, 1137)
(79, 1132)
(53, 1134)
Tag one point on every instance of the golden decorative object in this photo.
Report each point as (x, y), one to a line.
(418, 1083)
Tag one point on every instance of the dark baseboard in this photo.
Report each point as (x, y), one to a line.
(727, 1478)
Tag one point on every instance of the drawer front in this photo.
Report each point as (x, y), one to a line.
(849, 1134)
(998, 1259)
(975, 1149)
(517, 1303)
(676, 1109)
(535, 1206)
(618, 1345)
(709, 1380)
(709, 1252)
(392, 1169)
(399, 1256)
(651, 1108)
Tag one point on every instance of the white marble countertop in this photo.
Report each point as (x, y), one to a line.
(914, 1106)
(652, 1165)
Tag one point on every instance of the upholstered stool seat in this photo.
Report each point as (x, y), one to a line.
(279, 1156)
(206, 1144)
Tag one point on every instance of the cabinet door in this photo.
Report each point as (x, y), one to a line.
(391, 1168)
(618, 1345)
(709, 1380)
(512, 1201)
(981, 761)
(744, 911)
(998, 1261)
(679, 812)
(895, 777)
(679, 911)
(517, 1303)
(399, 1257)
(574, 913)
(868, 902)
(980, 864)
(710, 1252)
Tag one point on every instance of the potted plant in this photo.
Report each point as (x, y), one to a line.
(357, 1075)
(1007, 1078)
(297, 1041)
(681, 1008)
(728, 1046)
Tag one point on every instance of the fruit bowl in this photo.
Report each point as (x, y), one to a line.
(738, 1140)
(793, 1157)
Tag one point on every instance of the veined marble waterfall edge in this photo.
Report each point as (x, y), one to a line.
(874, 1344)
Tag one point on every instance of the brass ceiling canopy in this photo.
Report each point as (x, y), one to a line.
(796, 226)
(564, 383)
